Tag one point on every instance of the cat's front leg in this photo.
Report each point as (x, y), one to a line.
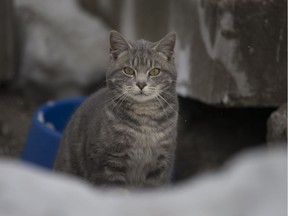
(112, 165)
(113, 162)
(110, 173)
(160, 173)
(114, 170)
(158, 176)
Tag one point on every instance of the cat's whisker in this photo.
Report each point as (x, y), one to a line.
(120, 100)
(161, 106)
(123, 99)
(114, 98)
(173, 81)
(114, 79)
(164, 110)
(168, 94)
(129, 88)
(168, 104)
(111, 99)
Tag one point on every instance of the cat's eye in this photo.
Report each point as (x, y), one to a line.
(154, 72)
(129, 71)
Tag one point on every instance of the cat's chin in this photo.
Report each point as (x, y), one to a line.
(141, 98)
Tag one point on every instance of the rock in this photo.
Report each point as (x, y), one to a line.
(232, 52)
(277, 126)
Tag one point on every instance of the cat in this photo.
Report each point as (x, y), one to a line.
(125, 134)
(61, 48)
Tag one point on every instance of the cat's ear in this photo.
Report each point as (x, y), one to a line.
(118, 44)
(165, 47)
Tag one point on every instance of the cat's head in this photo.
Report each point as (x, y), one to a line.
(141, 70)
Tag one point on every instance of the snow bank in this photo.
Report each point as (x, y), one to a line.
(254, 184)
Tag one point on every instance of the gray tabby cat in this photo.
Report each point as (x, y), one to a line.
(125, 134)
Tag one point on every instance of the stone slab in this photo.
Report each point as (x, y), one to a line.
(232, 53)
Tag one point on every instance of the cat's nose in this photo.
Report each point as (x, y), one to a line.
(141, 85)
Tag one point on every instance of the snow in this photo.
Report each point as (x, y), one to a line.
(40, 117)
(253, 184)
(63, 45)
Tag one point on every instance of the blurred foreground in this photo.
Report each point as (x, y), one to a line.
(253, 184)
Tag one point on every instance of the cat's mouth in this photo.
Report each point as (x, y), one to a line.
(141, 96)
(141, 93)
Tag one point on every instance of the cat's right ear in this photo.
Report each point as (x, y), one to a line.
(118, 45)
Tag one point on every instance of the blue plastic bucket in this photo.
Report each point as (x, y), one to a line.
(46, 129)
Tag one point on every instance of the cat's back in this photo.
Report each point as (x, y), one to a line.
(88, 115)
(90, 111)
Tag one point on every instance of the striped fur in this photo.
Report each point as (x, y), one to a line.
(123, 135)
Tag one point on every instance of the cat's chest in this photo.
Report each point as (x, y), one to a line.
(144, 148)
(148, 140)
(148, 136)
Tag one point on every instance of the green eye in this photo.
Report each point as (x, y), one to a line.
(154, 72)
(129, 71)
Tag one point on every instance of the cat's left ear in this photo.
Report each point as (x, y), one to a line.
(165, 47)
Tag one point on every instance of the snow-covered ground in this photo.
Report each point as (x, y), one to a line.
(253, 184)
